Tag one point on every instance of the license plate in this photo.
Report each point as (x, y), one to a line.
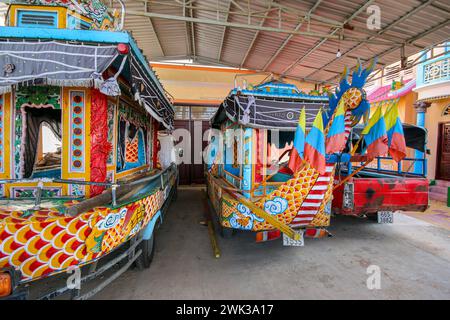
(289, 242)
(385, 217)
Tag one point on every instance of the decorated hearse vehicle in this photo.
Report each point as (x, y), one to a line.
(247, 186)
(80, 111)
(280, 156)
(383, 186)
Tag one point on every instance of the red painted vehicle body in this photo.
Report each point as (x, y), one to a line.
(366, 196)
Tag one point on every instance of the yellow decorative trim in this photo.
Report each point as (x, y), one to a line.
(7, 121)
(87, 138)
(66, 136)
(76, 15)
(62, 13)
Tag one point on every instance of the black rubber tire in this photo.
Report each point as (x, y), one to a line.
(148, 251)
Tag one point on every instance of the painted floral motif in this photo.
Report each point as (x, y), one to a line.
(24, 192)
(244, 218)
(111, 124)
(93, 9)
(76, 190)
(39, 96)
(276, 206)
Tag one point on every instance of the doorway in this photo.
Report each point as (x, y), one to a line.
(443, 152)
(189, 117)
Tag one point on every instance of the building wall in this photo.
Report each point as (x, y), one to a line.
(432, 119)
(405, 108)
(192, 84)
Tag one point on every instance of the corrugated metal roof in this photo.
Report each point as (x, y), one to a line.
(416, 23)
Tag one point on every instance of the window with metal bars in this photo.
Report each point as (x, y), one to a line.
(37, 19)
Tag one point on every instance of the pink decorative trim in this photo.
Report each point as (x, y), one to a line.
(385, 93)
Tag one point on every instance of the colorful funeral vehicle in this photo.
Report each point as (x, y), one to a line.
(80, 111)
(252, 187)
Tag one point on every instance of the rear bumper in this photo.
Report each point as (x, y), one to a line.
(370, 195)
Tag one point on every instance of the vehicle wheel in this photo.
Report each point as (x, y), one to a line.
(372, 217)
(148, 251)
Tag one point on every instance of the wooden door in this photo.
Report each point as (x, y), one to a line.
(443, 154)
(192, 173)
(198, 170)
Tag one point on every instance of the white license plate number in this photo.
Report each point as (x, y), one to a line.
(385, 217)
(289, 242)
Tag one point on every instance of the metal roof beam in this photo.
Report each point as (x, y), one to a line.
(409, 41)
(219, 54)
(323, 40)
(194, 44)
(187, 27)
(252, 44)
(380, 32)
(286, 41)
(288, 12)
(152, 29)
(257, 27)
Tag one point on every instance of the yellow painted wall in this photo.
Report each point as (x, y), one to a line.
(405, 108)
(205, 85)
(432, 119)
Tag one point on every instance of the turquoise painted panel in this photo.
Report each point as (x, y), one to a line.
(37, 19)
(434, 71)
(247, 157)
(76, 23)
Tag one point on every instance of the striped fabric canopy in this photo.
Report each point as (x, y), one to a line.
(265, 112)
(64, 63)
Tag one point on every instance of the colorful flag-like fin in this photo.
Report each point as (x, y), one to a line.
(375, 135)
(296, 158)
(396, 137)
(315, 145)
(336, 138)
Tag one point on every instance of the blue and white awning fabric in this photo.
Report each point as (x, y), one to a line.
(267, 112)
(79, 64)
(53, 63)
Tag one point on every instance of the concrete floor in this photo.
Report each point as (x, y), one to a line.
(414, 257)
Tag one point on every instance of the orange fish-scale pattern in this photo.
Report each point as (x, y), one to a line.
(47, 241)
(42, 243)
(132, 151)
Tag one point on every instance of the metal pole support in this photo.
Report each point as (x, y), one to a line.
(114, 194)
(37, 202)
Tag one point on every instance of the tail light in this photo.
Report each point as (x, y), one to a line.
(348, 201)
(6, 284)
